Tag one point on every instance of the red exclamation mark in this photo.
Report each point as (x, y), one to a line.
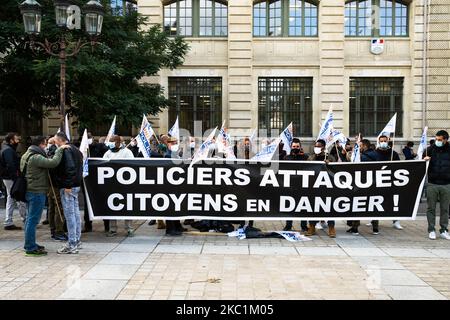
(395, 202)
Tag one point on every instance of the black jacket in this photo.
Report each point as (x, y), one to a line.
(369, 155)
(69, 173)
(439, 168)
(97, 150)
(297, 157)
(385, 155)
(10, 161)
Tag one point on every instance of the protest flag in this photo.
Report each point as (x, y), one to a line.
(423, 144)
(143, 140)
(266, 154)
(356, 155)
(286, 137)
(327, 125)
(203, 151)
(66, 125)
(224, 143)
(84, 149)
(112, 130)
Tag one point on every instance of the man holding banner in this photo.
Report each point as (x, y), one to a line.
(438, 188)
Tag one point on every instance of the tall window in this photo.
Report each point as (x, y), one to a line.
(195, 99)
(373, 102)
(361, 19)
(285, 100)
(204, 18)
(279, 18)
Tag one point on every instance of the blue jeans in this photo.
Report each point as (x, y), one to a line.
(71, 209)
(35, 206)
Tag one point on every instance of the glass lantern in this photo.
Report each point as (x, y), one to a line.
(93, 17)
(31, 13)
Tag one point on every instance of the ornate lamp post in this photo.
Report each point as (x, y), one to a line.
(68, 17)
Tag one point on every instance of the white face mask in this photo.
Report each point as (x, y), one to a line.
(192, 145)
(317, 150)
(174, 148)
(110, 145)
(89, 141)
(384, 145)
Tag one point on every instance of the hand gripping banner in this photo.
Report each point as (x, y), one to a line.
(221, 189)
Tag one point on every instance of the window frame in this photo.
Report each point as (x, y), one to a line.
(195, 18)
(376, 20)
(374, 83)
(285, 16)
(267, 86)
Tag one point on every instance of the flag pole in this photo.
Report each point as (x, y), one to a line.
(392, 151)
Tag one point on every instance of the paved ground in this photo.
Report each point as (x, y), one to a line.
(393, 265)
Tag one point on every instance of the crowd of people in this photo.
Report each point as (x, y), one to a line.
(53, 169)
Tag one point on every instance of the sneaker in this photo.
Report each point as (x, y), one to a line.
(445, 235)
(130, 233)
(67, 250)
(111, 234)
(40, 247)
(79, 245)
(12, 227)
(36, 253)
(432, 235)
(397, 225)
(369, 224)
(353, 231)
(375, 231)
(60, 237)
(318, 226)
(323, 224)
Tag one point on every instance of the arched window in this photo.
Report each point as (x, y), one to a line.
(196, 18)
(284, 18)
(378, 18)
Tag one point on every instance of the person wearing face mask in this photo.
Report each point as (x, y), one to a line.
(173, 227)
(9, 161)
(408, 151)
(385, 153)
(438, 187)
(119, 151)
(320, 155)
(296, 154)
(192, 145)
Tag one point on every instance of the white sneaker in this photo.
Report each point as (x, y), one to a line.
(397, 225)
(445, 235)
(369, 224)
(432, 235)
(319, 226)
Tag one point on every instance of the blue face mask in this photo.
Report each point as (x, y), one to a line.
(384, 145)
(439, 144)
(110, 145)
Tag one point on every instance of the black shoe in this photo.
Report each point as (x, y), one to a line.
(36, 253)
(350, 230)
(353, 231)
(152, 222)
(60, 237)
(174, 233)
(12, 227)
(45, 222)
(287, 228)
(40, 247)
(375, 231)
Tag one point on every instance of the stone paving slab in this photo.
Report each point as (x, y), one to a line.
(406, 252)
(326, 251)
(413, 293)
(194, 249)
(124, 258)
(111, 272)
(94, 289)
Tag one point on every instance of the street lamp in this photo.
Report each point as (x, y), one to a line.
(68, 17)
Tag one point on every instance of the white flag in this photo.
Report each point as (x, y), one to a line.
(144, 121)
(224, 143)
(67, 127)
(112, 130)
(286, 137)
(203, 151)
(389, 129)
(335, 136)
(423, 144)
(356, 155)
(84, 147)
(266, 154)
(326, 128)
(175, 131)
(143, 140)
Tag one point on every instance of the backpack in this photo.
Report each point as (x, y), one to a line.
(19, 187)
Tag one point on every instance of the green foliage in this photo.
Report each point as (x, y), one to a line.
(102, 81)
